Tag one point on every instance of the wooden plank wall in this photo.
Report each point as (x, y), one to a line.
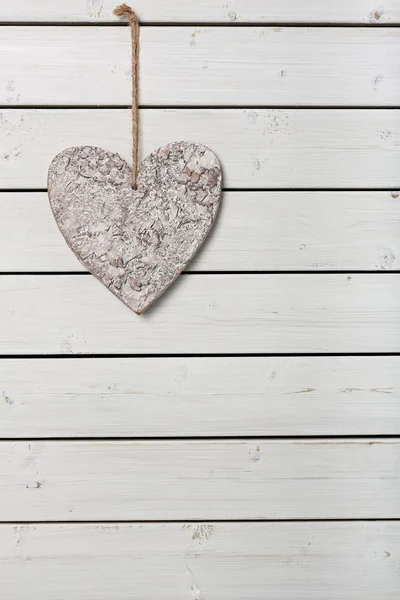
(241, 440)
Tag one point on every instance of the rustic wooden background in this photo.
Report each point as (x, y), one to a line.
(240, 440)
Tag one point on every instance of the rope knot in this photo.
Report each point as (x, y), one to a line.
(125, 10)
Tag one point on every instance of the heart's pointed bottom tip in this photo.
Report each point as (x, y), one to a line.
(138, 310)
(142, 309)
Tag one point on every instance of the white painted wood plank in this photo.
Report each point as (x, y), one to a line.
(225, 11)
(267, 231)
(209, 66)
(217, 561)
(213, 479)
(203, 314)
(168, 397)
(281, 148)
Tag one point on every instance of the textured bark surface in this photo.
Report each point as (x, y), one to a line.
(136, 242)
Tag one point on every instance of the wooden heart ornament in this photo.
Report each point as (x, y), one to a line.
(135, 241)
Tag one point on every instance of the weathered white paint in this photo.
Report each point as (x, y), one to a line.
(207, 66)
(281, 148)
(164, 397)
(234, 479)
(212, 479)
(217, 561)
(225, 11)
(203, 314)
(267, 231)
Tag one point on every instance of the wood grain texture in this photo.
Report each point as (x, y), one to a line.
(207, 478)
(280, 148)
(225, 479)
(167, 397)
(135, 241)
(267, 231)
(231, 11)
(204, 314)
(284, 561)
(209, 66)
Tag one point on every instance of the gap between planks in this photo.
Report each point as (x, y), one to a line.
(182, 521)
(197, 355)
(200, 107)
(235, 25)
(202, 273)
(209, 438)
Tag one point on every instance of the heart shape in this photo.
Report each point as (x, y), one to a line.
(136, 242)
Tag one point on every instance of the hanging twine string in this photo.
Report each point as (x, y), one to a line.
(120, 11)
